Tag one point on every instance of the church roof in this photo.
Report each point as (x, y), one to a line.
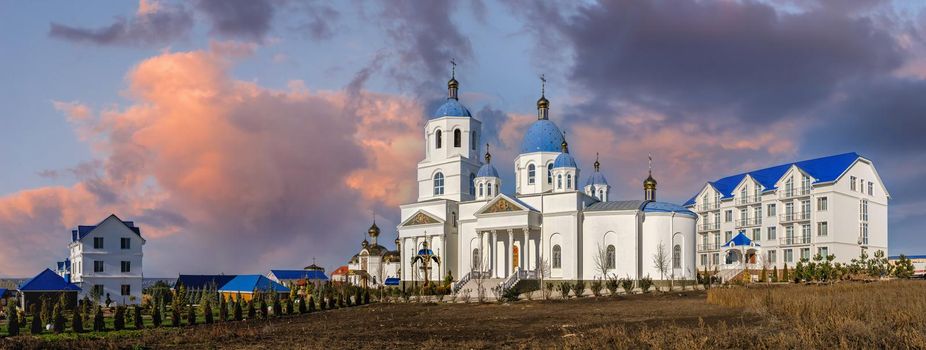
(542, 136)
(663, 207)
(824, 169)
(47, 281)
(564, 160)
(451, 108)
(250, 283)
(597, 178)
(739, 240)
(487, 170)
(616, 205)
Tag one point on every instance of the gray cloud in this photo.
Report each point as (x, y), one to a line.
(153, 28)
(238, 19)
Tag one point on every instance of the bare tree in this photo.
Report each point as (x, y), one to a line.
(478, 275)
(661, 260)
(543, 270)
(601, 260)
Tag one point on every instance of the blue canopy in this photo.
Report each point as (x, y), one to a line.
(392, 281)
(299, 274)
(425, 252)
(740, 240)
(47, 281)
(250, 283)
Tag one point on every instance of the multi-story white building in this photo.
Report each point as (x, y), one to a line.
(106, 260)
(834, 205)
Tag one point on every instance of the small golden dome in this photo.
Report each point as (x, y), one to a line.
(374, 230)
(453, 83)
(543, 102)
(364, 243)
(649, 183)
(397, 241)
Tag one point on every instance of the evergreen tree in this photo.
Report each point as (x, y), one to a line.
(175, 311)
(763, 276)
(139, 322)
(12, 319)
(264, 313)
(46, 312)
(331, 302)
(98, 324)
(223, 309)
(366, 297)
(775, 274)
(190, 315)
(156, 314)
(903, 268)
(302, 307)
(119, 318)
(311, 302)
(251, 310)
(77, 321)
(785, 276)
(36, 320)
(289, 306)
(277, 308)
(87, 304)
(237, 311)
(162, 305)
(207, 311)
(58, 320)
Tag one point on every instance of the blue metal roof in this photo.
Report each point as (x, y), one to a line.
(451, 108)
(487, 170)
(596, 179)
(564, 160)
(46, 281)
(824, 169)
(663, 207)
(203, 281)
(250, 283)
(896, 257)
(740, 240)
(391, 281)
(542, 136)
(299, 274)
(3, 292)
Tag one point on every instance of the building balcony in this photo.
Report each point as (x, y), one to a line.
(794, 192)
(747, 200)
(708, 247)
(797, 240)
(748, 222)
(710, 226)
(794, 217)
(708, 206)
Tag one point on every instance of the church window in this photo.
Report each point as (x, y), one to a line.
(677, 257)
(472, 184)
(457, 138)
(568, 181)
(489, 190)
(473, 142)
(601, 195)
(550, 174)
(480, 190)
(476, 259)
(531, 174)
(559, 181)
(611, 258)
(438, 184)
(557, 257)
(454, 215)
(438, 138)
(496, 188)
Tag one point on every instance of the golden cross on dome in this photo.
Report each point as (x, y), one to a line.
(453, 68)
(650, 163)
(543, 84)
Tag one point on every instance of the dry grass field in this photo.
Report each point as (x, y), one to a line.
(845, 315)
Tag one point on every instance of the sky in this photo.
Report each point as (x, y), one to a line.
(244, 135)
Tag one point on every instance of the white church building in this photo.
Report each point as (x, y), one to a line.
(558, 220)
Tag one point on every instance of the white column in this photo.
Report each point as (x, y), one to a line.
(526, 258)
(509, 254)
(493, 247)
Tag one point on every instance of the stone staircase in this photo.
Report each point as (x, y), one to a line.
(729, 274)
(473, 285)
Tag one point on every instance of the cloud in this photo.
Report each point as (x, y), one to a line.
(317, 19)
(207, 163)
(75, 111)
(238, 19)
(152, 24)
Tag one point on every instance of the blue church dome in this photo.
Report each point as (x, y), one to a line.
(487, 170)
(451, 108)
(596, 179)
(542, 136)
(564, 160)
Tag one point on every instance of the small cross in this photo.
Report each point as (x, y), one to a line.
(453, 68)
(650, 163)
(543, 84)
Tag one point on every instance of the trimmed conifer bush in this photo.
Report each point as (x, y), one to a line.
(252, 312)
(366, 297)
(289, 306)
(302, 307)
(331, 303)
(58, 320)
(207, 311)
(12, 319)
(277, 308)
(98, 324)
(264, 313)
(190, 315)
(156, 315)
(77, 320)
(119, 318)
(223, 309)
(36, 321)
(311, 306)
(175, 312)
(139, 323)
(236, 313)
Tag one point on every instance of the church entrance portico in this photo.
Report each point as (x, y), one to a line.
(506, 250)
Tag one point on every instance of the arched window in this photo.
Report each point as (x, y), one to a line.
(472, 184)
(438, 138)
(559, 181)
(568, 181)
(677, 257)
(454, 215)
(550, 174)
(438, 184)
(601, 194)
(457, 138)
(489, 190)
(531, 174)
(480, 190)
(477, 260)
(557, 257)
(473, 142)
(611, 263)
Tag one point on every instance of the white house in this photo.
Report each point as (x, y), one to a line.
(835, 205)
(106, 260)
(462, 223)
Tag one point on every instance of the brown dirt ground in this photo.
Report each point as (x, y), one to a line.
(522, 324)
